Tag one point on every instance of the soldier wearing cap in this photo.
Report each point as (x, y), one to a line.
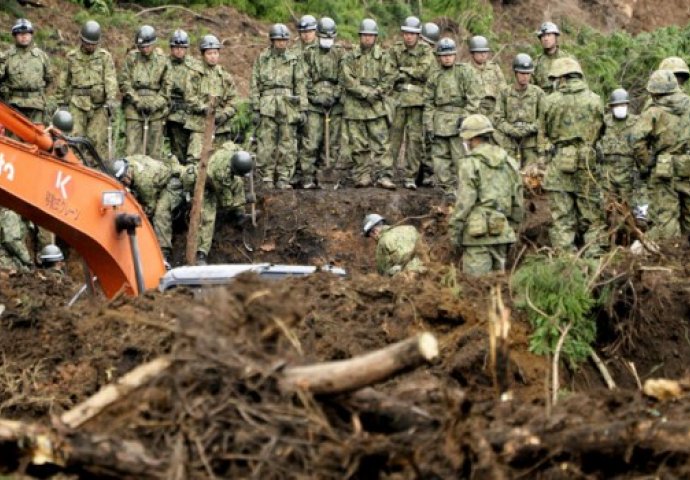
(548, 34)
(487, 72)
(399, 249)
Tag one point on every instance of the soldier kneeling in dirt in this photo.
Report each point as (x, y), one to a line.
(398, 249)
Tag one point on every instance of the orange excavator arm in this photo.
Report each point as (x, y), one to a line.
(44, 181)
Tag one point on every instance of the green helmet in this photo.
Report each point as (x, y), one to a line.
(370, 221)
(565, 66)
(411, 25)
(662, 82)
(479, 44)
(431, 33)
(474, 126)
(50, 254)
(241, 163)
(146, 35)
(306, 23)
(619, 96)
(326, 28)
(369, 27)
(548, 27)
(446, 46)
(676, 64)
(210, 42)
(91, 32)
(63, 121)
(119, 168)
(279, 31)
(523, 63)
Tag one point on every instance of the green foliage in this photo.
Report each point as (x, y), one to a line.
(555, 292)
(96, 6)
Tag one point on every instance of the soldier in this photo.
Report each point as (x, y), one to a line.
(488, 73)
(205, 81)
(25, 74)
(279, 100)
(181, 66)
(145, 85)
(548, 37)
(517, 113)
(569, 125)
(367, 77)
(322, 69)
(431, 34)
(13, 251)
(452, 93)
(53, 261)
(680, 69)
(615, 154)
(224, 190)
(414, 63)
(88, 86)
(398, 249)
(489, 208)
(306, 27)
(661, 139)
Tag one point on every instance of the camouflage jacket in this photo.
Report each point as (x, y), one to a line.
(451, 94)
(299, 48)
(322, 71)
(517, 114)
(399, 249)
(180, 87)
(489, 206)
(278, 88)
(663, 132)
(145, 82)
(221, 183)
(149, 178)
(616, 138)
(13, 233)
(205, 81)
(542, 66)
(88, 81)
(570, 123)
(367, 79)
(490, 77)
(25, 75)
(413, 67)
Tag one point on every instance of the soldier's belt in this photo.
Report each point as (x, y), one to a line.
(450, 109)
(331, 83)
(177, 106)
(146, 92)
(409, 87)
(277, 91)
(25, 94)
(82, 91)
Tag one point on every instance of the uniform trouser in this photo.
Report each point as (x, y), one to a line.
(276, 150)
(209, 210)
(487, 105)
(446, 152)
(407, 124)
(669, 204)
(314, 143)
(369, 149)
(482, 259)
(196, 144)
(134, 131)
(619, 184)
(573, 213)
(93, 124)
(178, 136)
(169, 201)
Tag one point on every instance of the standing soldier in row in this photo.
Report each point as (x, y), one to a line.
(322, 70)
(206, 80)
(414, 63)
(488, 73)
(25, 74)
(306, 28)
(452, 93)
(145, 85)
(88, 87)
(181, 65)
(570, 124)
(517, 113)
(548, 37)
(367, 77)
(279, 101)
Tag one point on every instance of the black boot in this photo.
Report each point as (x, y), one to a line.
(201, 259)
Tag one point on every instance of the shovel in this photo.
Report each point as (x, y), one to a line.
(110, 138)
(146, 133)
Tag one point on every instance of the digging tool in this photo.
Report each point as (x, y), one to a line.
(198, 198)
(250, 245)
(327, 136)
(146, 133)
(110, 135)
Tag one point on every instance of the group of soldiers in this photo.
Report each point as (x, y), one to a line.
(373, 114)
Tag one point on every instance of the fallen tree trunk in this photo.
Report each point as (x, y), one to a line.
(361, 371)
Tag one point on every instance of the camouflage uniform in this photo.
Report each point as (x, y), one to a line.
(451, 94)
(570, 123)
(178, 136)
(207, 81)
(413, 67)
(88, 85)
(488, 210)
(399, 249)
(322, 69)
(367, 77)
(145, 82)
(150, 177)
(542, 67)
(25, 75)
(492, 81)
(661, 143)
(13, 231)
(224, 190)
(517, 119)
(278, 94)
(619, 171)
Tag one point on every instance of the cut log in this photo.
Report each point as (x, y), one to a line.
(361, 371)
